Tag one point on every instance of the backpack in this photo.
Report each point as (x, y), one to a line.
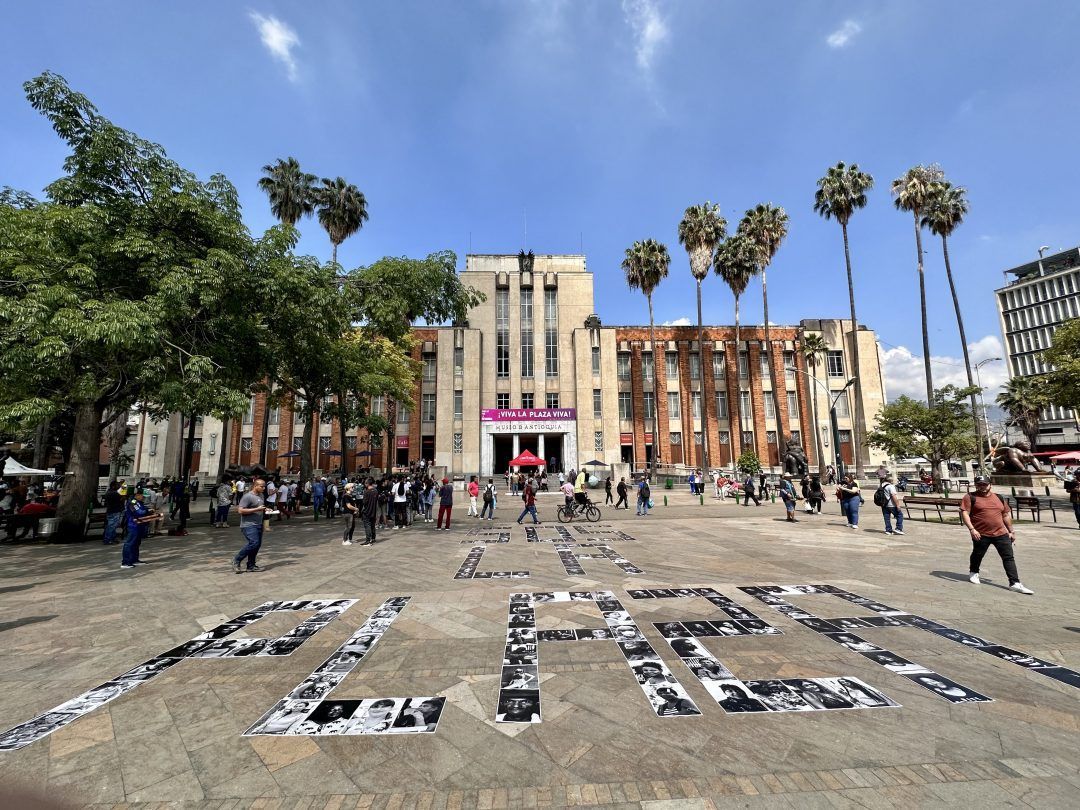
(488, 496)
(880, 499)
(646, 492)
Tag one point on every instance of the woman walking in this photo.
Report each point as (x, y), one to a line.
(446, 505)
(850, 500)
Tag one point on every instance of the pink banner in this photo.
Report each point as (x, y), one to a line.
(527, 414)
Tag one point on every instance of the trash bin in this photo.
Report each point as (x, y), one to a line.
(47, 526)
(669, 483)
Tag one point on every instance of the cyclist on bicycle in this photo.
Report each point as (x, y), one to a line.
(567, 490)
(579, 488)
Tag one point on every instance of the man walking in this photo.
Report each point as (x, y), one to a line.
(474, 492)
(489, 501)
(787, 495)
(891, 504)
(369, 510)
(251, 525)
(989, 521)
(446, 505)
(530, 503)
(138, 519)
(748, 491)
(644, 494)
(114, 513)
(620, 490)
(224, 501)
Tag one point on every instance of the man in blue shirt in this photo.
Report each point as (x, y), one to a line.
(138, 525)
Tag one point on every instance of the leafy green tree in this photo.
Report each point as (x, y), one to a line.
(342, 210)
(908, 427)
(702, 228)
(840, 193)
(290, 189)
(748, 463)
(1023, 400)
(766, 226)
(132, 281)
(646, 264)
(735, 263)
(814, 348)
(913, 191)
(1061, 385)
(946, 208)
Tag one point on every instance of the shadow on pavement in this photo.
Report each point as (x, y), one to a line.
(23, 622)
(955, 577)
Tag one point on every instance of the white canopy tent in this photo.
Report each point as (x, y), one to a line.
(15, 469)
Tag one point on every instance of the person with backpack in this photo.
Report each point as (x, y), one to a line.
(888, 497)
(446, 505)
(748, 491)
(989, 521)
(401, 497)
(489, 500)
(816, 496)
(787, 495)
(474, 493)
(644, 496)
(529, 496)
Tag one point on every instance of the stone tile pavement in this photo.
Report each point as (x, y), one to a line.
(72, 619)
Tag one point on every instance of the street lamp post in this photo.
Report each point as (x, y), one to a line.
(982, 403)
(837, 457)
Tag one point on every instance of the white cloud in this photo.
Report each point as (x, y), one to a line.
(683, 321)
(904, 373)
(649, 27)
(844, 34)
(279, 39)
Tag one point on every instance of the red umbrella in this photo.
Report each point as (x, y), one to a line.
(527, 459)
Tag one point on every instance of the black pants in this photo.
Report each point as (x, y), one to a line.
(1004, 547)
(350, 526)
(750, 496)
(608, 499)
(399, 513)
(369, 529)
(622, 501)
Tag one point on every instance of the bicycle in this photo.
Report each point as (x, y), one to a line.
(568, 511)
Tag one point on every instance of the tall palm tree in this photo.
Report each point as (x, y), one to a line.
(342, 210)
(912, 192)
(840, 193)
(291, 191)
(766, 226)
(945, 210)
(646, 265)
(814, 347)
(1023, 401)
(700, 231)
(734, 263)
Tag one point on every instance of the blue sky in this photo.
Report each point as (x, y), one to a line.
(600, 122)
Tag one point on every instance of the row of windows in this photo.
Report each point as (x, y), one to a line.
(502, 333)
(1055, 287)
(1053, 313)
(1031, 341)
(528, 400)
(834, 365)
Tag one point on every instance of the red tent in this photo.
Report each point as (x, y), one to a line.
(527, 459)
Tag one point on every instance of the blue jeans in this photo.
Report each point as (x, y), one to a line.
(112, 523)
(851, 511)
(487, 509)
(529, 510)
(222, 515)
(893, 512)
(130, 553)
(642, 505)
(253, 536)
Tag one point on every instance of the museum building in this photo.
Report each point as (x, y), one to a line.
(533, 368)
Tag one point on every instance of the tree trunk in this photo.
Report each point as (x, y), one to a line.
(306, 466)
(41, 443)
(701, 378)
(860, 417)
(656, 394)
(922, 308)
(780, 443)
(738, 380)
(223, 450)
(814, 418)
(80, 484)
(186, 453)
(963, 344)
(265, 443)
(341, 435)
(333, 257)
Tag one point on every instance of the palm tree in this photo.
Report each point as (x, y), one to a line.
(700, 231)
(814, 347)
(945, 210)
(646, 265)
(291, 191)
(912, 192)
(1023, 401)
(766, 226)
(734, 263)
(840, 193)
(342, 210)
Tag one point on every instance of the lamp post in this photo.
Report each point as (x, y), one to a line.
(982, 402)
(837, 457)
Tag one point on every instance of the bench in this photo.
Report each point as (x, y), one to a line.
(94, 521)
(939, 505)
(1030, 503)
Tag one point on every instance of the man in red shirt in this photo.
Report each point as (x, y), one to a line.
(989, 521)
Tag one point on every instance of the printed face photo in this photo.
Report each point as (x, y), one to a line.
(877, 607)
(662, 593)
(221, 631)
(628, 632)
(894, 663)
(736, 612)
(760, 628)
(770, 599)
(708, 669)
(519, 635)
(519, 706)
(315, 688)
(251, 646)
(669, 701)
(683, 592)
(689, 648)
(672, 630)
(807, 589)
(617, 617)
(186, 649)
(526, 620)
(282, 646)
(962, 638)
(556, 635)
(108, 691)
(599, 634)
(706, 592)
(149, 669)
(701, 629)
(521, 597)
(858, 692)
(777, 697)
(640, 594)
(524, 677)
(733, 696)
(284, 717)
(543, 597)
(521, 610)
(638, 651)
(946, 688)
(609, 605)
(854, 643)
(925, 624)
(418, 715)
(581, 596)
(883, 621)
(817, 695)
(519, 575)
(220, 649)
(851, 623)
(652, 672)
(818, 625)
(1016, 657)
(483, 575)
(374, 716)
(729, 628)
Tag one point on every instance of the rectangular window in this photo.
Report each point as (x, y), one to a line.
(377, 405)
(748, 438)
(427, 408)
(725, 437)
(671, 365)
(429, 367)
(622, 365)
(502, 401)
(275, 415)
(271, 443)
(744, 405)
(597, 403)
(527, 339)
(626, 405)
(770, 410)
(744, 366)
(528, 400)
(695, 366)
(697, 437)
(648, 401)
(717, 365)
(245, 444)
(648, 368)
(297, 443)
(843, 407)
(596, 360)
(695, 403)
(598, 441)
(673, 405)
(765, 371)
(324, 442)
(502, 333)
(459, 408)
(457, 444)
(402, 414)
(789, 365)
(721, 405)
(551, 333)
(676, 438)
(249, 414)
(552, 401)
(153, 445)
(835, 364)
(298, 411)
(459, 361)
(792, 405)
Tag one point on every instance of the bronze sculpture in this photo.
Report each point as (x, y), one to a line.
(1015, 460)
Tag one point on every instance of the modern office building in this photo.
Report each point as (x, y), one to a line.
(533, 368)
(1040, 296)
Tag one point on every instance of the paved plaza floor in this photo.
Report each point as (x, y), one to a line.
(982, 725)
